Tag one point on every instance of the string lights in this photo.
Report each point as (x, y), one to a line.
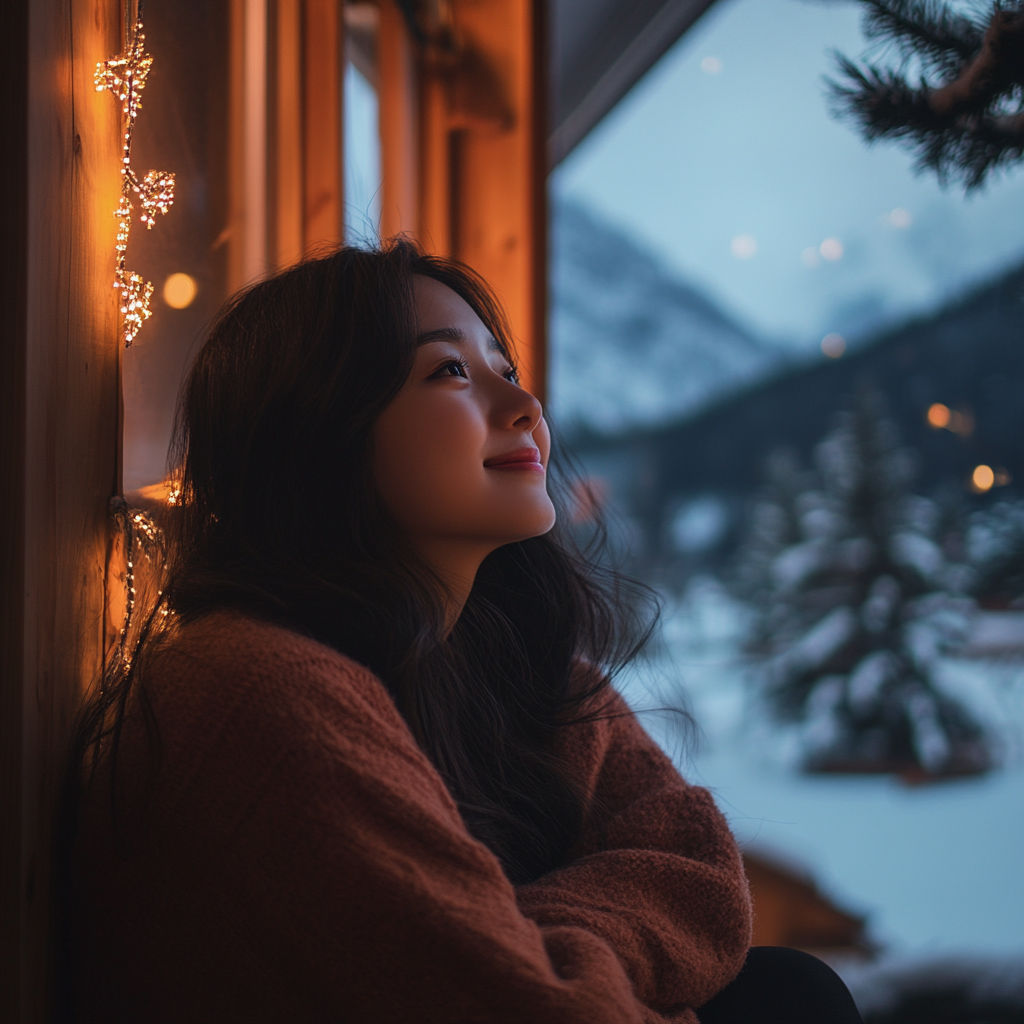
(125, 76)
(143, 537)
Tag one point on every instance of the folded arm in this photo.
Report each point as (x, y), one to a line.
(339, 882)
(662, 882)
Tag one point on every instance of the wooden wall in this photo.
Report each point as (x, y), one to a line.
(59, 403)
(464, 125)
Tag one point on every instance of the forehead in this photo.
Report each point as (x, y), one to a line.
(438, 306)
(444, 314)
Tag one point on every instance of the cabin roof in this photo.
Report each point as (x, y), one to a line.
(599, 50)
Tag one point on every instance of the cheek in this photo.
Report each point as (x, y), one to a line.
(542, 439)
(427, 457)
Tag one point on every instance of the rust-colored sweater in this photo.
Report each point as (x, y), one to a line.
(300, 860)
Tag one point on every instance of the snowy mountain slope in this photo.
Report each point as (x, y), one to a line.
(631, 345)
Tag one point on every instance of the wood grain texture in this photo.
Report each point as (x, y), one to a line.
(14, 21)
(399, 129)
(463, 130)
(286, 143)
(498, 225)
(323, 60)
(64, 465)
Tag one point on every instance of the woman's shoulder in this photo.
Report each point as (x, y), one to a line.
(229, 663)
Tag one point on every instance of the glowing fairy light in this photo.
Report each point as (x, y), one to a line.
(143, 539)
(125, 76)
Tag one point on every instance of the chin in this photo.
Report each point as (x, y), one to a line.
(537, 526)
(508, 526)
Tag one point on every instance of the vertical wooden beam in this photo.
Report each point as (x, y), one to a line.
(234, 233)
(467, 176)
(254, 140)
(499, 219)
(59, 392)
(397, 90)
(323, 70)
(286, 89)
(14, 177)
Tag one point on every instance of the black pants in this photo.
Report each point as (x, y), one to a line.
(782, 986)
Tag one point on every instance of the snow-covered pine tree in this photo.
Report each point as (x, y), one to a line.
(857, 601)
(995, 546)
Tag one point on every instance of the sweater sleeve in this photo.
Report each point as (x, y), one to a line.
(300, 859)
(663, 882)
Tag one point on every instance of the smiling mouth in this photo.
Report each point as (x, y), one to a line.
(522, 458)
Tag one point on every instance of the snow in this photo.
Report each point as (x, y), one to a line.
(996, 984)
(936, 868)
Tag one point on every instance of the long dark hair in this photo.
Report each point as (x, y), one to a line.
(279, 515)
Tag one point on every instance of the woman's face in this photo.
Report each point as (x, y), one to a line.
(461, 452)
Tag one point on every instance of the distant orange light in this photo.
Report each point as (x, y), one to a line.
(1002, 477)
(833, 345)
(179, 291)
(938, 416)
(982, 479)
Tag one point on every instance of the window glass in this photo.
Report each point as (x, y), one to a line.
(362, 158)
(745, 299)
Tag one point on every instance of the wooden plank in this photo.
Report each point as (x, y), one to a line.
(64, 468)
(323, 70)
(499, 163)
(286, 92)
(397, 90)
(14, 172)
(234, 232)
(463, 145)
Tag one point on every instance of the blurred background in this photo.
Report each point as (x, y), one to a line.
(791, 366)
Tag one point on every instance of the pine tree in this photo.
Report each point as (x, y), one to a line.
(857, 601)
(995, 545)
(963, 115)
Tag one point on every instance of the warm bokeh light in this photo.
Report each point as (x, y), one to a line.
(810, 258)
(831, 249)
(833, 345)
(1002, 477)
(744, 246)
(711, 66)
(179, 290)
(900, 218)
(982, 479)
(938, 415)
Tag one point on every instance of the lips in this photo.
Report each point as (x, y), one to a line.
(521, 458)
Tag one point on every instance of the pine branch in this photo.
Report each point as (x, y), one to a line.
(963, 127)
(925, 29)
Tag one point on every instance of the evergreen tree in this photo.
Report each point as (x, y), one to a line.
(857, 600)
(963, 114)
(995, 545)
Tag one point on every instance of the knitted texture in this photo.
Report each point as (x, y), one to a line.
(290, 854)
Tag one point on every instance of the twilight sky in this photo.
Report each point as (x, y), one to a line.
(725, 161)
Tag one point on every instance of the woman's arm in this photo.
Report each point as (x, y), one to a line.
(664, 885)
(299, 859)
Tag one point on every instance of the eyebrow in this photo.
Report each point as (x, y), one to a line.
(457, 335)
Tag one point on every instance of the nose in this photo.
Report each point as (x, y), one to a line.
(517, 408)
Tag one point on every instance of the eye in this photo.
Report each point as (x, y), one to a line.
(511, 374)
(453, 368)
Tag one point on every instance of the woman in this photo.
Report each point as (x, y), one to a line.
(364, 763)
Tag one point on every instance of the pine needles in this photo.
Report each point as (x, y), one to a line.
(956, 96)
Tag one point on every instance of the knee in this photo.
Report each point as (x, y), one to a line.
(782, 986)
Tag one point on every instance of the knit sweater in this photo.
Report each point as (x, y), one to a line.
(295, 857)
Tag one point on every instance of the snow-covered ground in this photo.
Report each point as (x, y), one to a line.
(937, 868)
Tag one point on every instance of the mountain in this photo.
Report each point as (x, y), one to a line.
(968, 356)
(633, 346)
